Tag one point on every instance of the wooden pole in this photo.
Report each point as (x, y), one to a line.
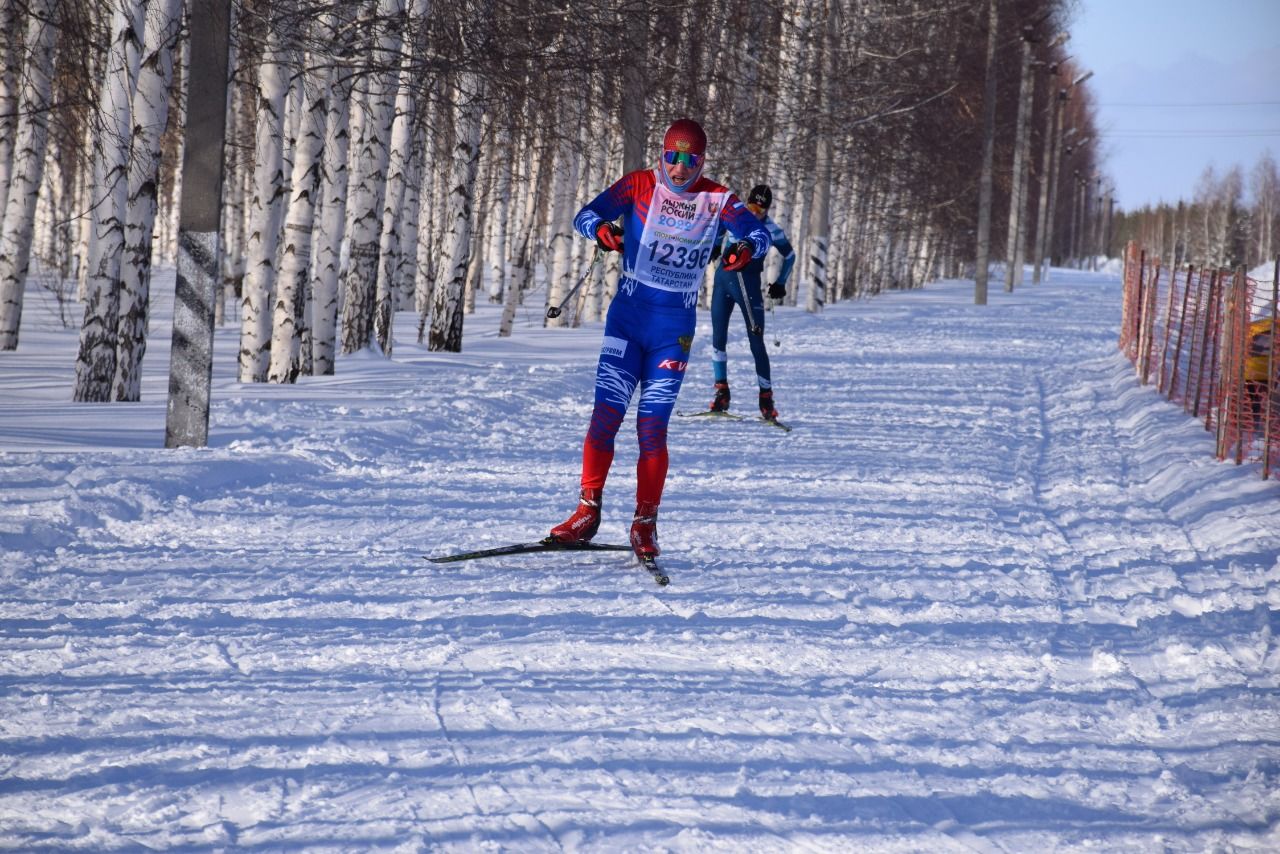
(1182, 328)
(1269, 388)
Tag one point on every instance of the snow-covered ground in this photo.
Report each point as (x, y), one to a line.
(989, 595)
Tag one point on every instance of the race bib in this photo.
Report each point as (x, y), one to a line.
(678, 234)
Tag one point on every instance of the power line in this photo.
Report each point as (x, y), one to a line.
(1158, 133)
(1161, 104)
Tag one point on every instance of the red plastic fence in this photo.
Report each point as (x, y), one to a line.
(1205, 337)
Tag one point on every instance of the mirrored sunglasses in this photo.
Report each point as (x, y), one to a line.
(685, 157)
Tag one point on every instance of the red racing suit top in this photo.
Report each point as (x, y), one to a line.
(668, 235)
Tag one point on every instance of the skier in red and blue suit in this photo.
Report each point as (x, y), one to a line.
(670, 217)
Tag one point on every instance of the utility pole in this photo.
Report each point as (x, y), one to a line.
(983, 252)
(1045, 252)
(1018, 212)
(1051, 138)
(1012, 255)
(191, 359)
(1098, 218)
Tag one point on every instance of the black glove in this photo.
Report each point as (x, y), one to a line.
(777, 290)
(609, 237)
(715, 252)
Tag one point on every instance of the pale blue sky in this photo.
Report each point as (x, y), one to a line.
(1218, 61)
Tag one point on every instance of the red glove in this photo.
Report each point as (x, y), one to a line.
(609, 237)
(737, 256)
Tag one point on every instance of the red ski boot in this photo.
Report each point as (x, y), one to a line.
(585, 521)
(720, 403)
(767, 410)
(644, 531)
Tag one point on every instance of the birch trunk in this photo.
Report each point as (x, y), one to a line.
(10, 69)
(28, 169)
(522, 268)
(329, 231)
(498, 218)
(150, 115)
(267, 211)
(368, 187)
(406, 269)
(96, 362)
(560, 277)
(424, 249)
(446, 309)
(230, 214)
(289, 320)
(170, 166)
(475, 262)
(398, 167)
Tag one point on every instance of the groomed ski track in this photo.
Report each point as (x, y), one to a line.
(989, 595)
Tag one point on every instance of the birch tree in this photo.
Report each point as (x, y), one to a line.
(28, 168)
(289, 318)
(446, 306)
(399, 161)
(369, 183)
(95, 364)
(330, 228)
(522, 270)
(1265, 184)
(560, 275)
(10, 69)
(150, 109)
(267, 208)
(429, 215)
(498, 220)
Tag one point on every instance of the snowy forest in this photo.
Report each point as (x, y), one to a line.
(1231, 220)
(404, 155)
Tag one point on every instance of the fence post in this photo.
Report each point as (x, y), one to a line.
(1146, 338)
(1202, 310)
(1270, 387)
(1206, 318)
(1134, 346)
(1182, 328)
(1215, 349)
(1168, 327)
(1241, 348)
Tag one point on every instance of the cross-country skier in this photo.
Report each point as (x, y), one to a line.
(728, 292)
(670, 219)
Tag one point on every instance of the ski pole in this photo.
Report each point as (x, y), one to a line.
(772, 324)
(746, 308)
(553, 311)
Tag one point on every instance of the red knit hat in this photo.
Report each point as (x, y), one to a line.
(685, 135)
